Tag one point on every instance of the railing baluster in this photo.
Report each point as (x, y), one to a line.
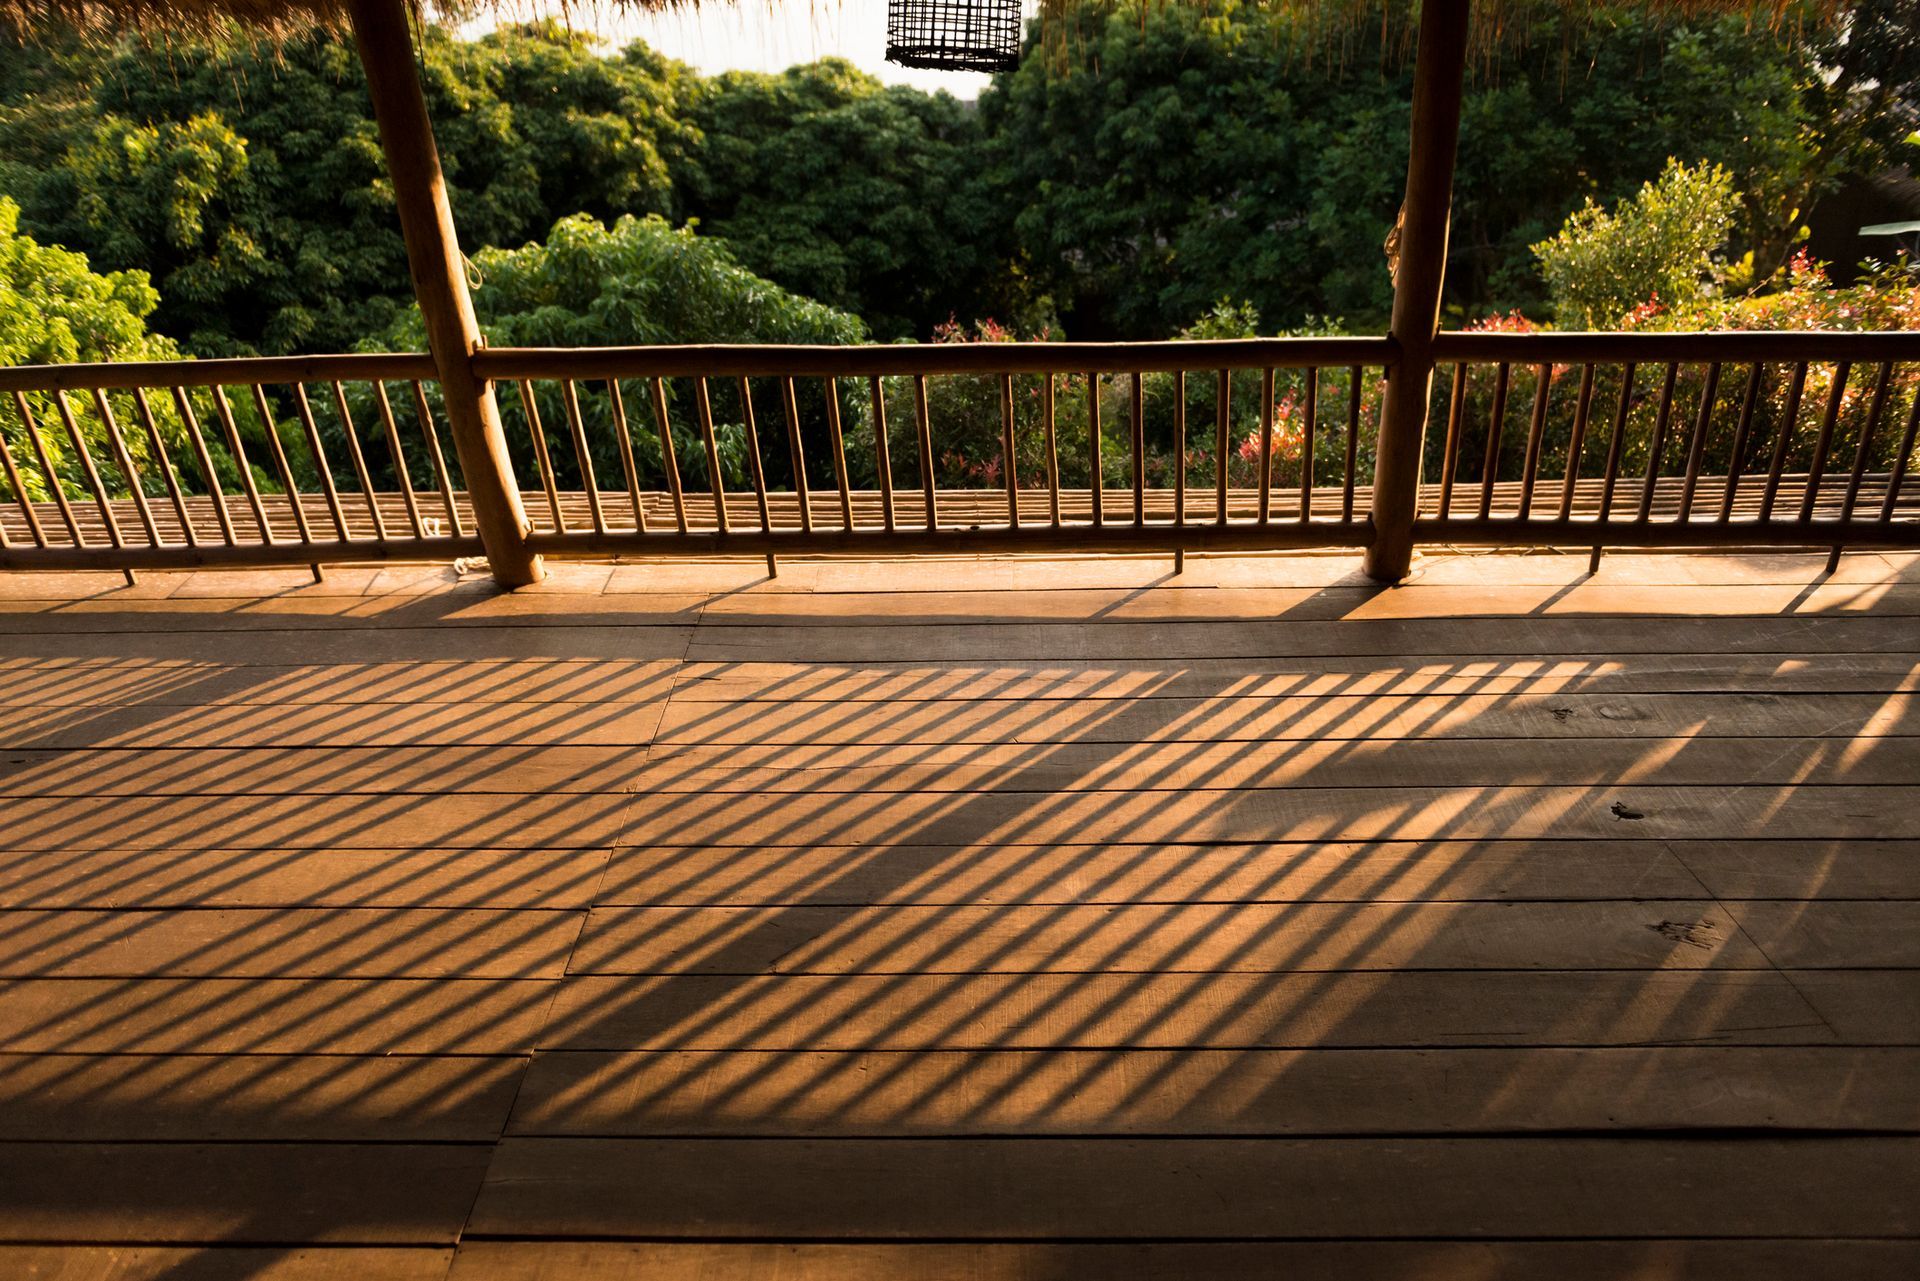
(1783, 441)
(1306, 444)
(583, 457)
(312, 430)
(54, 487)
(205, 457)
(1659, 445)
(703, 411)
(442, 477)
(264, 413)
(359, 458)
(1496, 428)
(1098, 489)
(1222, 431)
(239, 452)
(882, 457)
(1180, 447)
(1450, 449)
(543, 460)
(1264, 504)
(1817, 471)
(123, 459)
(1577, 443)
(1880, 389)
(87, 468)
(1536, 439)
(790, 409)
(669, 457)
(1354, 374)
(756, 466)
(923, 432)
(839, 453)
(172, 481)
(1137, 430)
(1615, 445)
(1007, 454)
(1697, 446)
(623, 440)
(19, 486)
(1748, 401)
(1897, 477)
(402, 475)
(1053, 452)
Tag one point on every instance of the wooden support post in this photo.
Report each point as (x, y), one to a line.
(1439, 68)
(385, 41)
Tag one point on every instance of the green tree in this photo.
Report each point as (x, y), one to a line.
(1662, 247)
(247, 175)
(836, 186)
(639, 282)
(55, 309)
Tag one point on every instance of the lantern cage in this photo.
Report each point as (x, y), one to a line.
(954, 35)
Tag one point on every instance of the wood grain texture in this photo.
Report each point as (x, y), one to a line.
(795, 1189)
(303, 942)
(1696, 1260)
(1163, 938)
(282, 1098)
(1217, 1092)
(223, 1263)
(387, 1193)
(1298, 1011)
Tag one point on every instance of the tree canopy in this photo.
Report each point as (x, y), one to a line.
(1143, 162)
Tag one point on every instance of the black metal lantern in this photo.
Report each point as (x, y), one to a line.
(954, 35)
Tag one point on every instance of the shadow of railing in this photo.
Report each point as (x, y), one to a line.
(812, 893)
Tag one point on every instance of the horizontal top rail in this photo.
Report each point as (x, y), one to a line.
(775, 360)
(771, 360)
(1566, 348)
(236, 371)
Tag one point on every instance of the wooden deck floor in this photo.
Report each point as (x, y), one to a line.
(964, 920)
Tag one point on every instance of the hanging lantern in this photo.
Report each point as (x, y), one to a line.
(954, 35)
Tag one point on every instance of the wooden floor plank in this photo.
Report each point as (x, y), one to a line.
(272, 1016)
(1833, 935)
(375, 877)
(332, 725)
(1381, 871)
(1467, 637)
(238, 1192)
(223, 1263)
(295, 645)
(1287, 1011)
(266, 771)
(1698, 1260)
(287, 942)
(1405, 674)
(181, 683)
(1119, 1188)
(1246, 814)
(1217, 1092)
(277, 1097)
(971, 767)
(460, 821)
(1418, 599)
(1234, 719)
(1163, 938)
(1068, 767)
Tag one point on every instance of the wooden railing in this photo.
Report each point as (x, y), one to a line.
(988, 446)
(1667, 440)
(1674, 440)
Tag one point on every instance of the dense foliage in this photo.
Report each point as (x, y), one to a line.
(1144, 161)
